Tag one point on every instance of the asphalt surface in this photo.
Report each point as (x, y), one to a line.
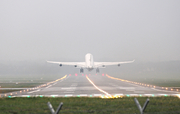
(93, 86)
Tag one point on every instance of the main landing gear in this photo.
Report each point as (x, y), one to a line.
(81, 70)
(97, 70)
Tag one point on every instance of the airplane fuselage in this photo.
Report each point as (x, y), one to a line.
(89, 61)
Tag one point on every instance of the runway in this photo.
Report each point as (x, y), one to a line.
(93, 86)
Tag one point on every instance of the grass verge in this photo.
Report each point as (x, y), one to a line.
(19, 85)
(83, 105)
(14, 85)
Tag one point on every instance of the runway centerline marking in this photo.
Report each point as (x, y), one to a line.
(97, 87)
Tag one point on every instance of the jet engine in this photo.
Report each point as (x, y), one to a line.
(60, 65)
(118, 65)
(75, 65)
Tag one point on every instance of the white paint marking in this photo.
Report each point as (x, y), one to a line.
(34, 91)
(24, 95)
(69, 95)
(97, 94)
(54, 95)
(83, 95)
(48, 86)
(148, 94)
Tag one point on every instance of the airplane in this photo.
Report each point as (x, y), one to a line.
(89, 64)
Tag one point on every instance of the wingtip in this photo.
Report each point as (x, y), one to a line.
(47, 61)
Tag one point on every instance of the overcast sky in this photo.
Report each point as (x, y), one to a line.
(112, 30)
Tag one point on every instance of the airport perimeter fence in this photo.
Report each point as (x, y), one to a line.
(84, 105)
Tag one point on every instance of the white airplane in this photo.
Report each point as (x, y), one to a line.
(89, 63)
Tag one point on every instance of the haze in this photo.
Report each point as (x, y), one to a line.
(34, 31)
(110, 30)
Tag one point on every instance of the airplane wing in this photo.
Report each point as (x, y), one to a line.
(99, 64)
(78, 64)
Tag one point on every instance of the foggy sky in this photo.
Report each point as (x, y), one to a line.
(112, 30)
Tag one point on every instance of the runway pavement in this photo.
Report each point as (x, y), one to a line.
(93, 86)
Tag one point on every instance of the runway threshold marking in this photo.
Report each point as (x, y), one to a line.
(97, 87)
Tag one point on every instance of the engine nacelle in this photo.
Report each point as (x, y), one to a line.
(60, 65)
(75, 65)
(118, 65)
(103, 65)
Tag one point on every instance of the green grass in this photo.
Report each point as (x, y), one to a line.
(152, 79)
(126, 105)
(161, 83)
(7, 91)
(19, 85)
